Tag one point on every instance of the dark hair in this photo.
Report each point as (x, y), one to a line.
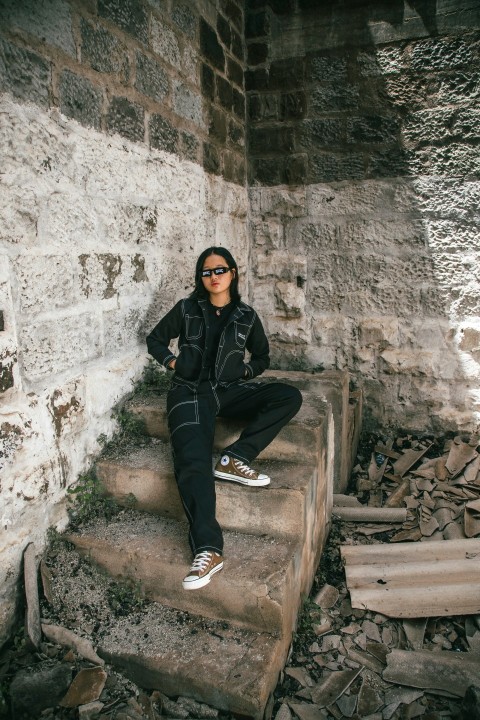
(200, 291)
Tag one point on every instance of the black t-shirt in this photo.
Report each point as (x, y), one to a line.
(215, 325)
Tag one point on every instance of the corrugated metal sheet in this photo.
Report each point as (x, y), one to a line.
(424, 579)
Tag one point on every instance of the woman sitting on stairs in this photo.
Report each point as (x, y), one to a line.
(211, 377)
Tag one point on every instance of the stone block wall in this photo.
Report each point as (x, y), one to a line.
(122, 155)
(364, 172)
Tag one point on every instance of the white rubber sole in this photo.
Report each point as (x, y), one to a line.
(201, 582)
(242, 481)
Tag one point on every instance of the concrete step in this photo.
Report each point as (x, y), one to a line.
(231, 669)
(296, 441)
(273, 542)
(325, 394)
(279, 509)
(257, 588)
(161, 648)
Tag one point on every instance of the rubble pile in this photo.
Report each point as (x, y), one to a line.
(441, 492)
(356, 662)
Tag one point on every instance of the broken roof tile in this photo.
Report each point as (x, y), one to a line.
(408, 459)
(460, 454)
(330, 689)
(414, 579)
(428, 670)
(472, 518)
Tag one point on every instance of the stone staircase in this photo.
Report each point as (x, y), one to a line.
(240, 627)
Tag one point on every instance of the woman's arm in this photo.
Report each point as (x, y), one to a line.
(257, 345)
(163, 333)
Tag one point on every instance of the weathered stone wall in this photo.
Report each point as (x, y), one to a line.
(364, 166)
(122, 157)
(122, 136)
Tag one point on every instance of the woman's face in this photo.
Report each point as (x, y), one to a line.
(217, 285)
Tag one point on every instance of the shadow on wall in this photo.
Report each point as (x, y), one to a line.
(368, 113)
(427, 10)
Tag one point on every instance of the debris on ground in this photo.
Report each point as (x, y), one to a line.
(345, 661)
(405, 667)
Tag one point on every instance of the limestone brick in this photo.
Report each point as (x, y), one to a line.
(288, 330)
(150, 78)
(232, 233)
(443, 53)
(26, 437)
(441, 125)
(53, 346)
(469, 339)
(67, 218)
(280, 264)
(413, 363)
(107, 275)
(361, 198)
(36, 166)
(190, 62)
(124, 326)
(103, 50)
(108, 382)
(384, 61)
(165, 43)
(267, 233)
(131, 16)
(188, 104)
(290, 299)
(44, 282)
(80, 99)
(125, 118)
(128, 224)
(25, 74)
(51, 22)
(20, 211)
(279, 200)
(455, 198)
(66, 405)
(184, 17)
(225, 197)
(446, 160)
(379, 332)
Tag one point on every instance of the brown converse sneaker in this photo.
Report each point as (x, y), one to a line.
(205, 564)
(230, 468)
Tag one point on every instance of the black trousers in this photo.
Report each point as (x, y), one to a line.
(191, 422)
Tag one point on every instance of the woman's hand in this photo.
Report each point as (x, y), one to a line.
(171, 365)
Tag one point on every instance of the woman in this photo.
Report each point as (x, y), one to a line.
(211, 377)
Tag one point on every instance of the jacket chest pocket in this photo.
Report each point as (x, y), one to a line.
(241, 332)
(193, 326)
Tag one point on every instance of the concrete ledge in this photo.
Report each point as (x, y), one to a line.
(231, 669)
(324, 393)
(278, 509)
(255, 590)
(330, 387)
(296, 441)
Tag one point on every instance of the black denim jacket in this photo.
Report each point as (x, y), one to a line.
(188, 320)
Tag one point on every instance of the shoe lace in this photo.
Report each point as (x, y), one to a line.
(201, 560)
(244, 468)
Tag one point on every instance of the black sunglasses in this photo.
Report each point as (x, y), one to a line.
(215, 271)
